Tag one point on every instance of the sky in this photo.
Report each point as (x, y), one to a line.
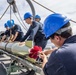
(66, 7)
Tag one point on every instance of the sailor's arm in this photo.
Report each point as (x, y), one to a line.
(26, 35)
(3, 38)
(46, 52)
(16, 34)
(33, 32)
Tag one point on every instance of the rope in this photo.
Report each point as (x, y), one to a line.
(50, 9)
(4, 12)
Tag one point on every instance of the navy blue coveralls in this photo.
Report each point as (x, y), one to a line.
(63, 60)
(7, 33)
(36, 34)
(18, 29)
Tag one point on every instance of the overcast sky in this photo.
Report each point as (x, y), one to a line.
(66, 7)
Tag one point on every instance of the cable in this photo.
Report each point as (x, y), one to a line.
(32, 7)
(4, 12)
(43, 6)
(20, 22)
(17, 17)
(10, 20)
(50, 9)
(73, 21)
(21, 18)
(10, 12)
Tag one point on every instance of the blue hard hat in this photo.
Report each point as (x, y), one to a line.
(5, 25)
(53, 23)
(27, 15)
(37, 17)
(10, 23)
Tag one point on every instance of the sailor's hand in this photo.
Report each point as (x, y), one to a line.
(43, 56)
(21, 43)
(10, 41)
(6, 41)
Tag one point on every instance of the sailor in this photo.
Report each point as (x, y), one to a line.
(6, 33)
(35, 32)
(16, 31)
(62, 61)
(37, 18)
